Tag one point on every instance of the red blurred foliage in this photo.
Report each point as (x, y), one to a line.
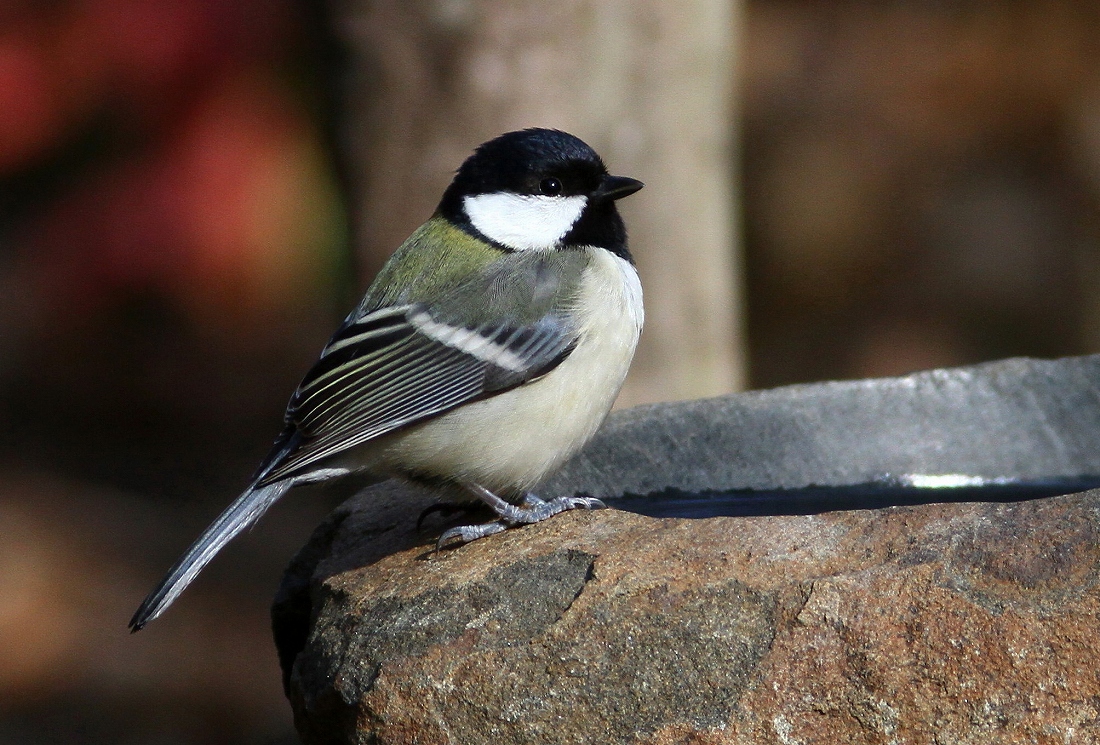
(163, 197)
(212, 160)
(60, 61)
(200, 214)
(30, 103)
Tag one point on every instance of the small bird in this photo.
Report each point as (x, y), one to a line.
(487, 351)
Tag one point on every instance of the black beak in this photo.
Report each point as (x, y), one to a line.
(616, 187)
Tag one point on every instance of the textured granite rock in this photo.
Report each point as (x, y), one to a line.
(964, 623)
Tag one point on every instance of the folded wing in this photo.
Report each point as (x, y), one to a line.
(398, 366)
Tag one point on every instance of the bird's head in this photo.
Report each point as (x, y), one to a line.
(538, 190)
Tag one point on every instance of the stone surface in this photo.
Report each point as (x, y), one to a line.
(963, 623)
(1019, 418)
(938, 623)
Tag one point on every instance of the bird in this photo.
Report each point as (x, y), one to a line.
(488, 350)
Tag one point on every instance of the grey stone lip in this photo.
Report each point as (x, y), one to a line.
(1012, 421)
(812, 500)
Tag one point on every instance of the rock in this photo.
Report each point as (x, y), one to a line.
(969, 622)
(961, 623)
(1012, 419)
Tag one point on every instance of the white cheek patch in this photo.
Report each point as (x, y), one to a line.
(524, 222)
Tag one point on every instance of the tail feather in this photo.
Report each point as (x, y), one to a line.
(247, 509)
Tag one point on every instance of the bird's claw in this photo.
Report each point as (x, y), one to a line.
(468, 533)
(532, 510)
(536, 510)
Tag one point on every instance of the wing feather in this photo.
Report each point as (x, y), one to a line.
(382, 372)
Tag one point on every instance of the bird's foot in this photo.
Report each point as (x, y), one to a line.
(536, 510)
(531, 510)
(468, 533)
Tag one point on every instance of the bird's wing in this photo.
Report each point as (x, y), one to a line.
(402, 364)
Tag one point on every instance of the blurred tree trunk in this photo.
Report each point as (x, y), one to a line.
(647, 83)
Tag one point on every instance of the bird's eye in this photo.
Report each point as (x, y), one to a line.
(550, 186)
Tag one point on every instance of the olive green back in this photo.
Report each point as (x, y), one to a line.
(470, 282)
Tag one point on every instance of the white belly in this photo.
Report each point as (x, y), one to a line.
(511, 441)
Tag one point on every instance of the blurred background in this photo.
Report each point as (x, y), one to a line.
(193, 193)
